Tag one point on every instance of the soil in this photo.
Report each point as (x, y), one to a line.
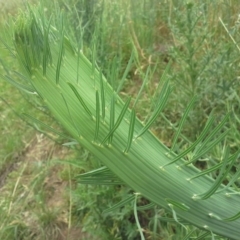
(37, 152)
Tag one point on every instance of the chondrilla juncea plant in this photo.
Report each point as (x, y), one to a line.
(78, 95)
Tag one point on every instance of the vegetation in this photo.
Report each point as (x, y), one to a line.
(187, 190)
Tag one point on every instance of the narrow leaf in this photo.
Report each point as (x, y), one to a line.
(25, 88)
(146, 207)
(60, 54)
(203, 134)
(136, 217)
(142, 87)
(78, 60)
(179, 205)
(112, 119)
(129, 65)
(233, 218)
(222, 175)
(45, 126)
(213, 133)
(182, 121)
(102, 171)
(80, 99)
(233, 178)
(46, 48)
(75, 126)
(175, 215)
(203, 236)
(102, 95)
(131, 131)
(122, 203)
(208, 148)
(97, 116)
(100, 176)
(162, 79)
(187, 237)
(119, 120)
(163, 100)
(214, 168)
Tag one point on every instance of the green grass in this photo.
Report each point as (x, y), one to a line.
(24, 168)
(204, 63)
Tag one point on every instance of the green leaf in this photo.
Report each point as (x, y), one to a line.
(60, 54)
(233, 218)
(214, 168)
(130, 131)
(136, 217)
(25, 88)
(120, 204)
(80, 99)
(109, 137)
(175, 214)
(207, 147)
(100, 176)
(69, 114)
(146, 207)
(162, 102)
(119, 120)
(182, 121)
(129, 65)
(36, 121)
(203, 134)
(142, 87)
(176, 204)
(97, 116)
(203, 236)
(222, 175)
(102, 95)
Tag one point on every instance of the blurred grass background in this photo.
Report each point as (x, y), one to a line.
(204, 62)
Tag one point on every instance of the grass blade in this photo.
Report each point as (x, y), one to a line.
(136, 217)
